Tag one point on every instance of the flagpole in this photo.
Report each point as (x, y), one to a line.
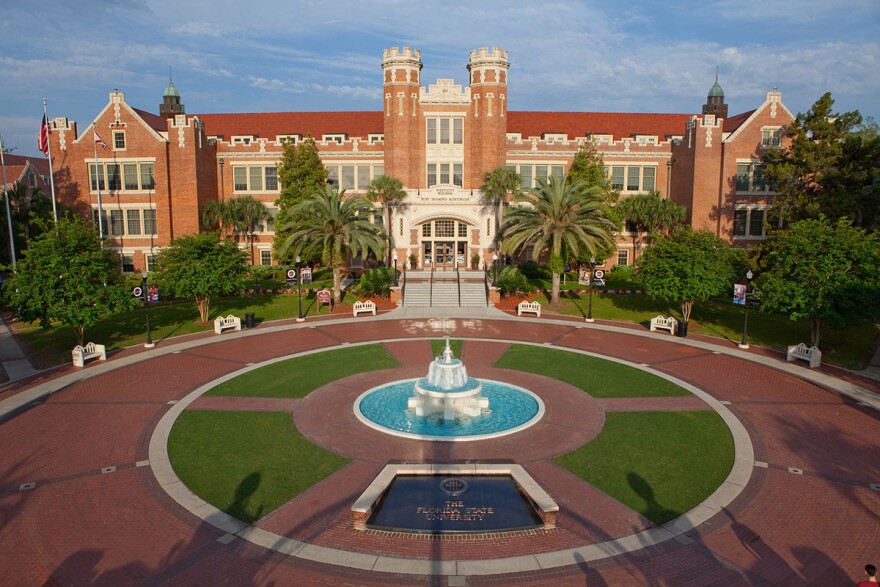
(6, 197)
(51, 173)
(98, 182)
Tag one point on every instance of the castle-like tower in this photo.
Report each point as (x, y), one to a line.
(485, 145)
(401, 68)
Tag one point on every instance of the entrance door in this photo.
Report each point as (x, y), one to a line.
(444, 255)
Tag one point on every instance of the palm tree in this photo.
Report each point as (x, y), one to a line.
(650, 214)
(497, 184)
(337, 228)
(388, 190)
(219, 213)
(248, 214)
(557, 218)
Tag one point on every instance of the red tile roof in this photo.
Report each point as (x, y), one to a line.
(734, 122)
(271, 124)
(580, 124)
(153, 120)
(16, 164)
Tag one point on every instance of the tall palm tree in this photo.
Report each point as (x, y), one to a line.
(497, 184)
(248, 214)
(388, 190)
(557, 218)
(337, 228)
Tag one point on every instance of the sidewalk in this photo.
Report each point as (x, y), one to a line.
(13, 359)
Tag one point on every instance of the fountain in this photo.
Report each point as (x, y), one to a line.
(448, 393)
(447, 405)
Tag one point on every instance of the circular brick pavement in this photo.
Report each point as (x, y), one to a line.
(96, 515)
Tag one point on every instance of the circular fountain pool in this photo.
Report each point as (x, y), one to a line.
(512, 409)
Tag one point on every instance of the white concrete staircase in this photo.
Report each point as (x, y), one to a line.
(449, 289)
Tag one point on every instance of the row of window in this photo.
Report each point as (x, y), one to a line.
(127, 222)
(444, 228)
(445, 131)
(750, 222)
(136, 176)
(264, 178)
(445, 174)
(353, 177)
(632, 178)
(529, 174)
(255, 178)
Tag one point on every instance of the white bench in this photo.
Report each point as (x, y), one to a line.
(801, 351)
(221, 323)
(661, 323)
(81, 354)
(367, 307)
(532, 307)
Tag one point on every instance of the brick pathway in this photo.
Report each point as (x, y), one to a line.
(97, 516)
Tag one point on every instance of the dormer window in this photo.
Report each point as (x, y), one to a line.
(338, 139)
(555, 137)
(378, 138)
(292, 139)
(242, 140)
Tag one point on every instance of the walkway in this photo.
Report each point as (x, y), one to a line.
(80, 501)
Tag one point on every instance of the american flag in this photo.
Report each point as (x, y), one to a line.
(43, 138)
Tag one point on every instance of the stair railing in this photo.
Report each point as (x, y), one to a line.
(431, 288)
(458, 275)
(403, 287)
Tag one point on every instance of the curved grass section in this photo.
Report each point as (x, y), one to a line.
(246, 463)
(300, 376)
(660, 464)
(598, 377)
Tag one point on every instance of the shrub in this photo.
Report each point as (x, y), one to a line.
(511, 281)
(377, 282)
(531, 270)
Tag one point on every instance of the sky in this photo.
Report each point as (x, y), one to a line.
(313, 55)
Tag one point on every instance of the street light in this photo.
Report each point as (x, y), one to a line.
(494, 268)
(394, 256)
(590, 310)
(149, 344)
(299, 304)
(744, 343)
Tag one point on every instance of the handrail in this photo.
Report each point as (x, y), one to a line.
(486, 283)
(403, 288)
(431, 288)
(458, 275)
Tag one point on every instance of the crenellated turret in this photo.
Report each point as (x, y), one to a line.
(488, 114)
(401, 87)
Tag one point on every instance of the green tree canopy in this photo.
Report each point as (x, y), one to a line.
(588, 166)
(66, 276)
(687, 267)
(832, 168)
(201, 266)
(31, 212)
(559, 219)
(824, 271)
(498, 185)
(651, 214)
(301, 175)
(389, 191)
(336, 228)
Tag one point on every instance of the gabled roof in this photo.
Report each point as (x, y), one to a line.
(272, 124)
(155, 122)
(734, 122)
(580, 124)
(16, 166)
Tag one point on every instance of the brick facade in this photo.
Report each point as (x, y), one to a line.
(438, 140)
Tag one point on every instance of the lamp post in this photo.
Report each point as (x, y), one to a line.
(394, 257)
(149, 344)
(744, 343)
(589, 317)
(494, 268)
(299, 304)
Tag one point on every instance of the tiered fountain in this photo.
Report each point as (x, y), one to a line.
(448, 393)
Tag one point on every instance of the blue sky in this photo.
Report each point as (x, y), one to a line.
(307, 55)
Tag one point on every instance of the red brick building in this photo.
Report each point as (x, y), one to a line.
(158, 171)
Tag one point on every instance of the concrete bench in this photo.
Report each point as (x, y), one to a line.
(801, 351)
(530, 307)
(367, 307)
(230, 322)
(661, 323)
(81, 354)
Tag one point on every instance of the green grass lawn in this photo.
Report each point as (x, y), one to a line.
(299, 376)
(849, 347)
(246, 463)
(661, 464)
(598, 377)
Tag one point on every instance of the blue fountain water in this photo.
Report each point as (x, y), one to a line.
(512, 408)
